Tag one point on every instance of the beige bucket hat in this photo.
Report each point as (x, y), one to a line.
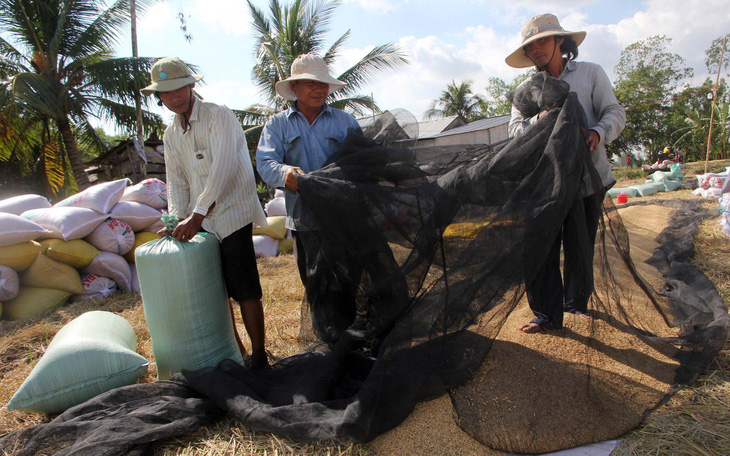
(539, 27)
(170, 74)
(309, 67)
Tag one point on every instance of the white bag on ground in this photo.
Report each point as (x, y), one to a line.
(265, 246)
(19, 204)
(138, 216)
(66, 223)
(15, 229)
(95, 287)
(185, 304)
(275, 207)
(113, 266)
(152, 192)
(9, 283)
(113, 236)
(100, 197)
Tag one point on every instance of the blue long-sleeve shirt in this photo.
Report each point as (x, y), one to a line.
(289, 140)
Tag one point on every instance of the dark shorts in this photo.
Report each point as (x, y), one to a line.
(239, 265)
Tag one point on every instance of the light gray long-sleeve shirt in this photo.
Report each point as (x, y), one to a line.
(603, 113)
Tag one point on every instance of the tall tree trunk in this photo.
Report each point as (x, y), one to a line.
(72, 151)
(137, 94)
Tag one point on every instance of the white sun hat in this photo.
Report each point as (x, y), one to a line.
(170, 74)
(309, 67)
(539, 27)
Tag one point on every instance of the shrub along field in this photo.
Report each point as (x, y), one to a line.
(696, 421)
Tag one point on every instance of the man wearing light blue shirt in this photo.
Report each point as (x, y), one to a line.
(302, 138)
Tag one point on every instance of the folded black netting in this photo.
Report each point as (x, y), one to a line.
(417, 257)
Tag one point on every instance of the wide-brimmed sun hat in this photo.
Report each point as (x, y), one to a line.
(309, 67)
(539, 27)
(170, 74)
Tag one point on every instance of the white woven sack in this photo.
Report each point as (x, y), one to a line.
(139, 216)
(9, 283)
(275, 207)
(152, 192)
(96, 287)
(15, 229)
(113, 236)
(265, 246)
(19, 204)
(113, 266)
(155, 227)
(100, 197)
(65, 223)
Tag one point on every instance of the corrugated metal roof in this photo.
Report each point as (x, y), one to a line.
(431, 128)
(477, 125)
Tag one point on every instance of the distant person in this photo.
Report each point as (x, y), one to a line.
(210, 185)
(550, 48)
(629, 164)
(302, 138)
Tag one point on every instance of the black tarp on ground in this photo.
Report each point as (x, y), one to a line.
(435, 239)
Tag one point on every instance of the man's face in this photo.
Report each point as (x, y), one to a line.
(541, 51)
(310, 94)
(178, 101)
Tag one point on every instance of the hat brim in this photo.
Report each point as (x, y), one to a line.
(171, 84)
(283, 89)
(518, 59)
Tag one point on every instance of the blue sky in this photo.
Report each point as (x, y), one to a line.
(455, 40)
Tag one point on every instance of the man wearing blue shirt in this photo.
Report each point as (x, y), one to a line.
(302, 138)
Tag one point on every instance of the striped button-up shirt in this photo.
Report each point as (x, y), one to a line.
(210, 164)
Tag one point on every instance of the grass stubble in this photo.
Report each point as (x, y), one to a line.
(695, 421)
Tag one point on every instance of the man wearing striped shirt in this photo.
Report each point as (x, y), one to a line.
(211, 185)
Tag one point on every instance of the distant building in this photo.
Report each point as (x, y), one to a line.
(484, 131)
(127, 160)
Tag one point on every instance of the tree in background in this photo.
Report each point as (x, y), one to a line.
(299, 28)
(688, 121)
(58, 72)
(496, 102)
(457, 100)
(648, 76)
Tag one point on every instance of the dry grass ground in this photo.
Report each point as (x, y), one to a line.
(696, 421)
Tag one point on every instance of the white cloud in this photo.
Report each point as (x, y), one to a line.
(377, 6)
(230, 16)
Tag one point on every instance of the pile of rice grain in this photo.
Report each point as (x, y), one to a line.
(537, 393)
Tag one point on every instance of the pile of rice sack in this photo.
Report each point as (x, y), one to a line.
(80, 248)
(717, 185)
(274, 239)
(658, 181)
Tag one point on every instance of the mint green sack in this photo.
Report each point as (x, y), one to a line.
(92, 354)
(185, 303)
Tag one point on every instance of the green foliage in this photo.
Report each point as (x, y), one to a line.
(497, 103)
(59, 72)
(300, 28)
(712, 54)
(457, 100)
(648, 75)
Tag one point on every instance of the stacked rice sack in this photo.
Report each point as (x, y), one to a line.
(712, 185)
(275, 239)
(80, 248)
(658, 181)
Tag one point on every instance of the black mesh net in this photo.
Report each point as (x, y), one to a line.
(417, 259)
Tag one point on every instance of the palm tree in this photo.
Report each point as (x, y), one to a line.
(457, 100)
(58, 72)
(299, 29)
